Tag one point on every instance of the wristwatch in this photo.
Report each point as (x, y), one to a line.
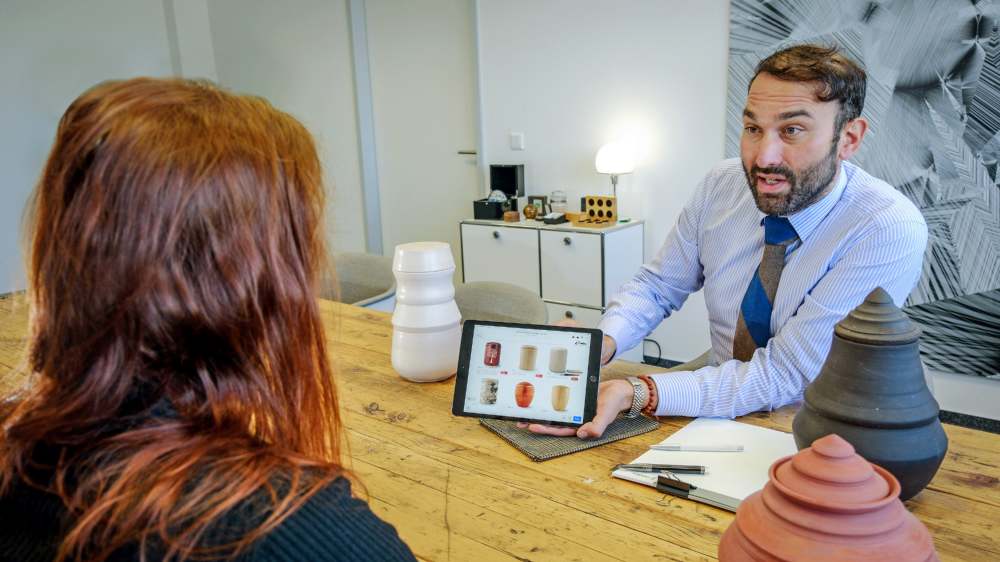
(639, 397)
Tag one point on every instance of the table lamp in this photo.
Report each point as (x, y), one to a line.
(615, 159)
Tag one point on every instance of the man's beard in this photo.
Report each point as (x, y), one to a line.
(803, 188)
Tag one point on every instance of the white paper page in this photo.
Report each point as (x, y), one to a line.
(734, 474)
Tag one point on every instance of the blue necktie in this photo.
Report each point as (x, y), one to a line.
(753, 327)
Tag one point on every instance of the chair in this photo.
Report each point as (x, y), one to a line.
(361, 279)
(500, 302)
(692, 365)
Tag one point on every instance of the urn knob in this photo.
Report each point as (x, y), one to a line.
(877, 321)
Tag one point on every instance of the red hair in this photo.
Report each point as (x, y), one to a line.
(176, 243)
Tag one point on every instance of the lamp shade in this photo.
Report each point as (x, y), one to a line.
(615, 158)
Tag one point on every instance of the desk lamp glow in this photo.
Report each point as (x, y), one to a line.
(615, 159)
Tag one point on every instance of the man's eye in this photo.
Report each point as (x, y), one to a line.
(751, 129)
(792, 131)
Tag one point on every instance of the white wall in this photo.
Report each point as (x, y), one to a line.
(575, 74)
(298, 56)
(50, 52)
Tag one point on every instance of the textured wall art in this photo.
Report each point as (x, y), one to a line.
(934, 108)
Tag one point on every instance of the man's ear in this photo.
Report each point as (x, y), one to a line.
(850, 137)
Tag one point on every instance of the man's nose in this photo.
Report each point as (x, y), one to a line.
(769, 152)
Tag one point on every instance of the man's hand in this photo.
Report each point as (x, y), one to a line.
(608, 347)
(613, 397)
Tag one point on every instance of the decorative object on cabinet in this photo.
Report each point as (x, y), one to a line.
(615, 159)
(872, 392)
(826, 504)
(530, 211)
(540, 203)
(599, 211)
(494, 206)
(555, 218)
(426, 324)
(511, 216)
(558, 201)
(574, 270)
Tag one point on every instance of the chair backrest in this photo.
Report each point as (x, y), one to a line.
(500, 302)
(361, 278)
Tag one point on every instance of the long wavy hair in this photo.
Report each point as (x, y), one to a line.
(179, 369)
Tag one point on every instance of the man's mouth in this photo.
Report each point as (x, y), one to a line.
(771, 183)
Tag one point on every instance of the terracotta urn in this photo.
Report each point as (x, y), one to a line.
(524, 393)
(872, 392)
(826, 503)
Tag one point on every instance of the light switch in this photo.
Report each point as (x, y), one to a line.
(517, 141)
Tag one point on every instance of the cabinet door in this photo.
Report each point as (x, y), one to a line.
(498, 253)
(571, 267)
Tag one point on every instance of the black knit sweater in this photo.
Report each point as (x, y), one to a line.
(330, 526)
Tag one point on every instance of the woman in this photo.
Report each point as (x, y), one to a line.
(182, 404)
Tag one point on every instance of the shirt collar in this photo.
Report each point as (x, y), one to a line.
(806, 220)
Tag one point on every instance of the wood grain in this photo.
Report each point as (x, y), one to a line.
(456, 492)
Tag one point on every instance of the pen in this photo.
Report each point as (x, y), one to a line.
(681, 489)
(699, 448)
(651, 467)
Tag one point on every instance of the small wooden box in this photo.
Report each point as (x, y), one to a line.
(599, 210)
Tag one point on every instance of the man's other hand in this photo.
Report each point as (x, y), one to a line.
(613, 397)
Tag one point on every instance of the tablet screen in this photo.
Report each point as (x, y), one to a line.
(526, 372)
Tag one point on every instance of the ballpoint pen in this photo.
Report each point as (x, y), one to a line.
(681, 489)
(653, 467)
(699, 448)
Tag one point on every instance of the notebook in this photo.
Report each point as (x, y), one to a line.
(736, 475)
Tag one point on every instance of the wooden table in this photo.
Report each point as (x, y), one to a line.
(457, 492)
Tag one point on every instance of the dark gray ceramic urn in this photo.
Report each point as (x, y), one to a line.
(871, 391)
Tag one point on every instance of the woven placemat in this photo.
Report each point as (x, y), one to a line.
(544, 447)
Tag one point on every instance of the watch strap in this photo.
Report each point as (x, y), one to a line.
(640, 395)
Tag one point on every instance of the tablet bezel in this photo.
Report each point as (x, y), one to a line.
(592, 377)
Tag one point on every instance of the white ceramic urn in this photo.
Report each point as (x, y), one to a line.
(426, 325)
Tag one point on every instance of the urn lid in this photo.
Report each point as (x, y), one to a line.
(831, 476)
(423, 257)
(878, 321)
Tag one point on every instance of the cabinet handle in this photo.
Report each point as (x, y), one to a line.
(496, 235)
(569, 314)
(567, 240)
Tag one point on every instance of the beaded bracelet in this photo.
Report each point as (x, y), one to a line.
(653, 398)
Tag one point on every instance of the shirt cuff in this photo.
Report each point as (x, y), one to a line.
(618, 328)
(677, 394)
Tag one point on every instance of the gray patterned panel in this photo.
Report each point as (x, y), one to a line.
(934, 107)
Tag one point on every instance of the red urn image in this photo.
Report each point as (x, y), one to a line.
(524, 393)
(492, 355)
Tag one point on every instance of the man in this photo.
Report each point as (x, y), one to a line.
(791, 209)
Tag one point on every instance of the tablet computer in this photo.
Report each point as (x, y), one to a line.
(527, 372)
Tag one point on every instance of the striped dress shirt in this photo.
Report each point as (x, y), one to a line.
(863, 234)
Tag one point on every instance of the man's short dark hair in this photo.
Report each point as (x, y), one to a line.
(837, 77)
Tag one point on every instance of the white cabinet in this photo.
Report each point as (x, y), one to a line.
(576, 270)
